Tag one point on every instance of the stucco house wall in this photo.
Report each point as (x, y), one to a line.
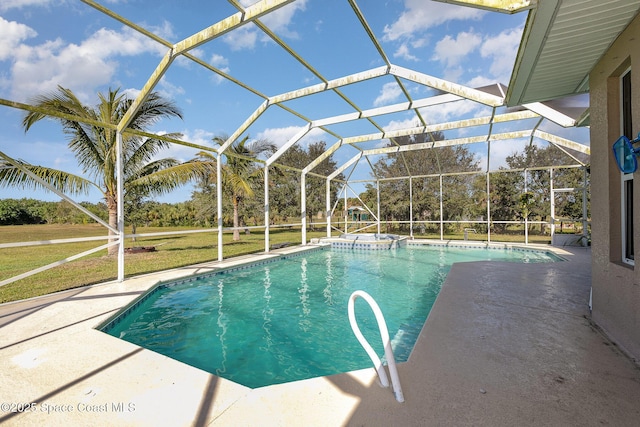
(616, 285)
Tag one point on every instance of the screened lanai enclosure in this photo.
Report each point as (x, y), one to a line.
(368, 140)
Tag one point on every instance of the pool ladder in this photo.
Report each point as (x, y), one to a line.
(384, 334)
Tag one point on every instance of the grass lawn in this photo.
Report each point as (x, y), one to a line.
(171, 252)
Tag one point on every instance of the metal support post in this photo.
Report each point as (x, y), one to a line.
(266, 209)
(219, 202)
(120, 202)
(303, 206)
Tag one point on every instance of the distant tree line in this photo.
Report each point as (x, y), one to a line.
(32, 211)
(149, 213)
(464, 196)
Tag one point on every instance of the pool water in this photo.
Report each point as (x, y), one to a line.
(287, 320)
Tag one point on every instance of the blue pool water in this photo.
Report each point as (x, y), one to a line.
(287, 320)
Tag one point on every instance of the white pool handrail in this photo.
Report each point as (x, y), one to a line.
(384, 334)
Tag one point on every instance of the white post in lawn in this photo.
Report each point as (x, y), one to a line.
(303, 206)
(120, 214)
(266, 208)
(328, 207)
(378, 202)
(411, 207)
(219, 201)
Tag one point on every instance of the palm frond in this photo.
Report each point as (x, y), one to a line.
(63, 101)
(16, 176)
(239, 172)
(153, 109)
(262, 146)
(82, 142)
(206, 156)
(147, 150)
(144, 169)
(240, 185)
(164, 176)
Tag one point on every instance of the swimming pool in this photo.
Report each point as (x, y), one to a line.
(287, 320)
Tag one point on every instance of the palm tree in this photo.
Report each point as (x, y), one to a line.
(94, 147)
(239, 173)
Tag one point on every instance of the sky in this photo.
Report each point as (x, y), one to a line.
(46, 43)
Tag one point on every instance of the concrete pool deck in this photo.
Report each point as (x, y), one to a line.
(505, 344)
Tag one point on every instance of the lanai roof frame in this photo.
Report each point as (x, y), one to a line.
(446, 91)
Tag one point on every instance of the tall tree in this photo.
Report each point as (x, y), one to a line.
(285, 190)
(504, 194)
(240, 174)
(94, 147)
(394, 194)
(538, 181)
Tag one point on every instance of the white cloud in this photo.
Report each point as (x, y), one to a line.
(183, 61)
(131, 93)
(278, 21)
(502, 50)
(401, 124)
(15, 4)
(183, 153)
(453, 74)
(403, 52)
(11, 35)
(105, 43)
(418, 43)
(389, 93)
(450, 111)
(452, 51)
(222, 64)
(164, 31)
(5, 83)
(480, 81)
(194, 136)
(198, 136)
(81, 67)
(41, 68)
(395, 125)
(421, 15)
(168, 90)
(500, 150)
(280, 136)
(242, 38)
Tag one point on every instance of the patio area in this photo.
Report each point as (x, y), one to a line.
(505, 344)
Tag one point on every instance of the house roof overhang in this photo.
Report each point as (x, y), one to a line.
(561, 43)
